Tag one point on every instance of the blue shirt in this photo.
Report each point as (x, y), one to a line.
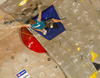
(38, 25)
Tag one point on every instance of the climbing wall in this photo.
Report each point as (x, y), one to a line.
(72, 49)
(76, 50)
(15, 56)
(24, 12)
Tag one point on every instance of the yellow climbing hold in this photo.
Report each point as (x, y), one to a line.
(94, 75)
(78, 49)
(77, 44)
(93, 55)
(81, 0)
(83, 65)
(0, 16)
(70, 76)
(22, 2)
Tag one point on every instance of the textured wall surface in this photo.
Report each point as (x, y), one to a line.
(82, 27)
(26, 11)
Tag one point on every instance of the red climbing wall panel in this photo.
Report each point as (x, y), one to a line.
(31, 42)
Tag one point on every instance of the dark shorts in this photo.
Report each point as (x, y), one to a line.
(48, 23)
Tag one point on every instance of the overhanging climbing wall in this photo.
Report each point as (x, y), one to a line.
(72, 49)
(82, 36)
(26, 11)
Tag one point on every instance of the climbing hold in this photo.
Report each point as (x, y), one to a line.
(81, 0)
(97, 66)
(25, 60)
(40, 5)
(99, 30)
(70, 76)
(94, 75)
(31, 5)
(12, 57)
(91, 41)
(83, 65)
(77, 44)
(78, 49)
(49, 59)
(93, 55)
(0, 16)
(22, 2)
(55, 67)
